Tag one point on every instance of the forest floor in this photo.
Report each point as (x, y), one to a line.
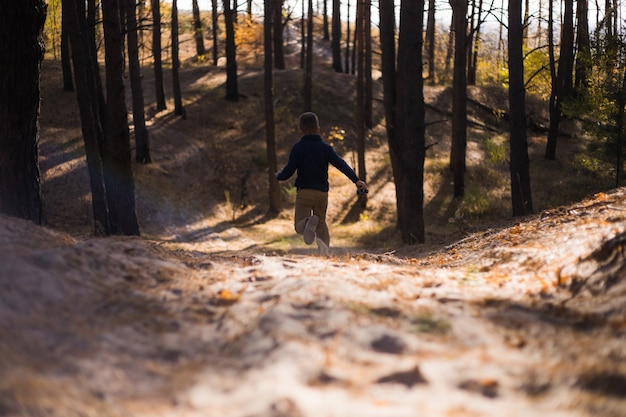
(220, 310)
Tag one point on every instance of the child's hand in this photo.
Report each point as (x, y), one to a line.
(361, 187)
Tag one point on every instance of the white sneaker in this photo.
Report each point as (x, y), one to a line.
(322, 248)
(309, 229)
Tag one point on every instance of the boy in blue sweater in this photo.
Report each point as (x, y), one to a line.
(310, 158)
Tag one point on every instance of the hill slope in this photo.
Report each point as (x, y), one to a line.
(527, 319)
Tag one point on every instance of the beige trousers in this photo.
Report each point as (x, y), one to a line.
(309, 202)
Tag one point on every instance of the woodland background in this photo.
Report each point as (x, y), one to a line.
(218, 308)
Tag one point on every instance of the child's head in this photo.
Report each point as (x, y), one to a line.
(309, 123)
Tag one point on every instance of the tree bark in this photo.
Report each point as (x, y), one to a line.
(21, 54)
(459, 100)
(66, 61)
(367, 32)
(583, 57)
(179, 109)
(325, 21)
(88, 89)
(156, 51)
(270, 126)
(142, 139)
(214, 29)
(308, 70)
(347, 56)
(410, 120)
(197, 26)
(116, 160)
(388, 67)
(475, 46)
(279, 50)
(336, 36)
(521, 197)
(232, 89)
(361, 105)
(430, 41)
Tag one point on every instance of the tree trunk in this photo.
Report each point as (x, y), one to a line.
(361, 15)
(347, 56)
(367, 32)
(197, 26)
(621, 103)
(66, 61)
(116, 160)
(270, 126)
(21, 53)
(336, 35)
(471, 32)
(459, 100)
(555, 113)
(88, 90)
(232, 89)
(410, 120)
(303, 36)
(142, 140)
(475, 47)
(521, 197)
(430, 41)
(308, 70)
(214, 29)
(449, 50)
(325, 22)
(93, 29)
(583, 57)
(279, 50)
(156, 51)
(178, 98)
(388, 67)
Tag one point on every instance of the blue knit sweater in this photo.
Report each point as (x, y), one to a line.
(310, 158)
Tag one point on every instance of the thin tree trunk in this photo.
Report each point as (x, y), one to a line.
(471, 32)
(388, 67)
(555, 114)
(459, 100)
(116, 160)
(279, 50)
(367, 32)
(178, 98)
(21, 54)
(88, 105)
(156, 50)
(232, 89)
(326, 23)
(430, 41)
(214, 29)
(142, 141)
(361, 16)
(270, 126)
(336, 36)
(356, 30)
(197, 25)
(94, 32)
(619, 163)
(476, 46)
(583, 57)
(308, 71)
(521, 198)
(303, 37)
(347, 56)
(66, 61)
(449, 50)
